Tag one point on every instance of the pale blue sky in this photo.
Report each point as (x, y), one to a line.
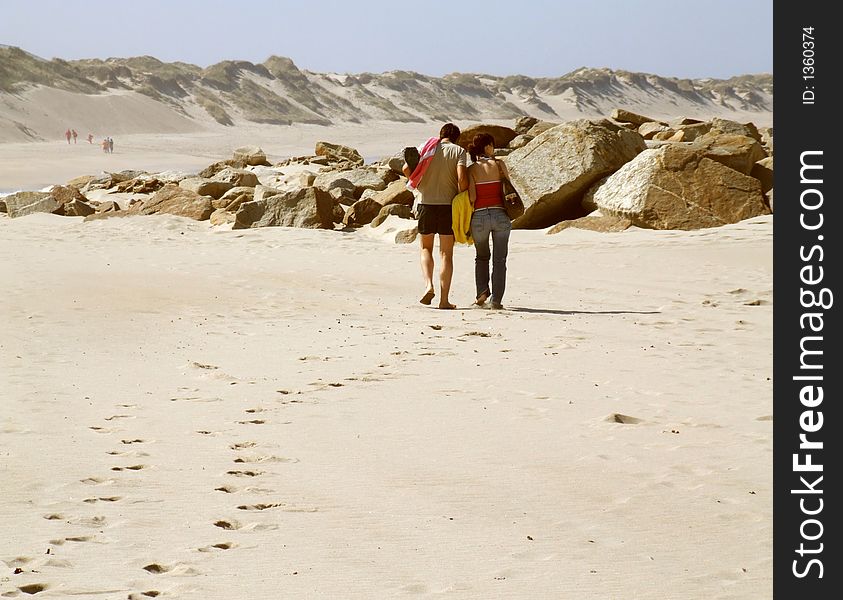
(539, 38)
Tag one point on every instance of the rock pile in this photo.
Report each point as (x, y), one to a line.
(602, 174)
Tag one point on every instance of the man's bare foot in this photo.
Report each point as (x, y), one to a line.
(447, 306)
(481, 299)
(428, 296)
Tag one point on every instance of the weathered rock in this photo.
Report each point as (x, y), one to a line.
(176, 200)
(502, 135)
(236, 177)
(221, 217)
(602, 223)
(719, 125)
(399, 210)
(65, 193)
(738, 152)
(77, 208)
(81, 181)
(683, 121)
(206, 187)
(692, 131)
(108, 206)
(27, 203)
(99, 216)
(339, 152)
(360, 179)
(673, 187)
(664, 135)
(362, 212)
(625, 116)
(251, 156)
(211, 170)
(407, 236)
(396, 163)
(763, 172)
(334, 182)
(395, 193)
(262, 191)
(140, 185)
(769, 197)
(767, 139)
(233, 198)
(540, 127)
(520, 140)
(310, 208)
(651, 128)
(553, 172)
(523, 124)
(338, 213)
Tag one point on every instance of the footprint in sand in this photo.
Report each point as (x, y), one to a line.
(218, 547)
(115, 417)
(130, 468)
(134, 441)
(265, 459)
(144, 595)
(243, 445)
(245, 473)
(33, 588)
(178, 569)
(252, 422)
(97, 481)
(102, 499)
(75, 539)
(624, 419)
(102, 429)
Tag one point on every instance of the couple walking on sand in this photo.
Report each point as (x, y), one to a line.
(443, 172)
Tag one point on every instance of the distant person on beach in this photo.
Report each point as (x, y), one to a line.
(439, 176)
(74, 134)
(111, 145)
(489, 218)
(105, 145)
(67, 135)
(90, 138)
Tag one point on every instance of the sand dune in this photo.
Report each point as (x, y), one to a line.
(192, 412)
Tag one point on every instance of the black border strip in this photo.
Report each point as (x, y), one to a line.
(806, 354)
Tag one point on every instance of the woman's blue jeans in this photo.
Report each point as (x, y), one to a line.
(494, 223)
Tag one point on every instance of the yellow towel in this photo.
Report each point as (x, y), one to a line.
(461, 210)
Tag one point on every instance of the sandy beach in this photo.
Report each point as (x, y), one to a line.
(195, 412)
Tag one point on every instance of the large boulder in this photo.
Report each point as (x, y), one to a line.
(395, 193)
(763, 172)
(236, 177)
(361, 179)
(523, 124)
(362, 212)
(250, 156)
(625, 116)
(739, 152)
(175, 200)
(338, 152)
(673, 187)
(233, 198)
(553, 172)
(310, 208)
(502, 135)
(719, 125)
(399, 210)
(27, 203)
(206, 187)
(77, 208)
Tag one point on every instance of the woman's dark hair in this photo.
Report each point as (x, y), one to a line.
(450, 131)
(478, 145)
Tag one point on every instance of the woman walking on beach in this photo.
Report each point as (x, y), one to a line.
(488, 219)
(440, 175)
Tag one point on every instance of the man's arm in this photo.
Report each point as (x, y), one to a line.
(462, 177)
(406, 170)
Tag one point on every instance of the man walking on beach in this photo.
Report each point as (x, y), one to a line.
(74, 134)
(67, 135)
(440, 175)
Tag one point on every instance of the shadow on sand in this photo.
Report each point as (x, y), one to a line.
(548, 311)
